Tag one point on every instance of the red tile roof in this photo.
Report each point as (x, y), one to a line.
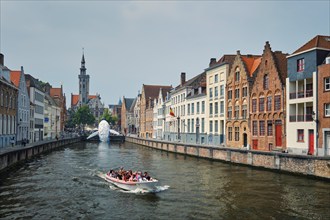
(152, 91)
(15, 77)
(55, 92)
(252, 62)
(319, 41)
(75, 99)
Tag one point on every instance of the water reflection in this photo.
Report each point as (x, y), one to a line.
(64, 185)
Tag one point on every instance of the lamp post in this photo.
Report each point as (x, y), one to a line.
(197, 130)
(178, 128)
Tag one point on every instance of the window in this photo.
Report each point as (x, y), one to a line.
(211, 108)
(203, 125)
(327, 84)
(216, 126)
(203, 107)
(188, 109)
(216, 91)
(300, 134)
(236, 133)
(236, 93)
(216, 78)
(269, 128)
(254, 128)
(216, 108)
(221, 91)
(266, 81)
(192, 108)
(188, 125)
(269, 103)
(210, 79)
(211, 93)
(300, 65)
(244, 92)
(327, 110)
(244, 111)
(236, 114)
(230, 94)
(254, 105)
(221, 108)
(237, 75)
(230, 133)
(261, 104)
(211, 126)
(262, 128)
(277, 102)
(192, 125)
(229, 112)
(197, 108)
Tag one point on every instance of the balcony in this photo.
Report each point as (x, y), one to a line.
(300, 118)
(301, 94)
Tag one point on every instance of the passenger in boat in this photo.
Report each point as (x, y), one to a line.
(138, 177)
(146, 176)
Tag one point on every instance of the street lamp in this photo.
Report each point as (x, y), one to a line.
(197, 130)
(178, 128)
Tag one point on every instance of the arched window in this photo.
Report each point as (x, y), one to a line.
(266, 81)
(237, 74)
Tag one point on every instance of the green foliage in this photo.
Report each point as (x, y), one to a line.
(83, 116)
(108, 117)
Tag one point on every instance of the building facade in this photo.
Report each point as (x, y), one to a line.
(267, 100)
(238, 90)
(126, 115)
(23, 106)
(301, 96)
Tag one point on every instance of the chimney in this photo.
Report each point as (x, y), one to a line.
(183, 78)
(212, 61)
(2, 59)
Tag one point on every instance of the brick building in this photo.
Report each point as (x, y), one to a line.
(323, 99)
(268, 102)
(238, 90)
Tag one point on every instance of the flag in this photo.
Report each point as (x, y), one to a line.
(171, 112)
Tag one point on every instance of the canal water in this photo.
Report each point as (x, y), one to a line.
(64, 184)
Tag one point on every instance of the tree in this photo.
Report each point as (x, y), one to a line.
(70, 124)
(84, 116)
(111, 119)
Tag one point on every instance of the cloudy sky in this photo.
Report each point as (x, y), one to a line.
(130, 43)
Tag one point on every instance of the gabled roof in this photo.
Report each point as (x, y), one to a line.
(55, 92)
(318, 41)
(75, 99)
(128, 103)
(152, 91)
(15, 77)
(251, 62)
(281, 64)
(227, 58)
(132, 106)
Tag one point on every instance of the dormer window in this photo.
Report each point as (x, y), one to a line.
(300, 65)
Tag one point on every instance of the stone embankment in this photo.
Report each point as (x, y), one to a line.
(298, 164)
(10, 156)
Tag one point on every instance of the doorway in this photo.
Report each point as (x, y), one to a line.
(310, 142)
(245, 139)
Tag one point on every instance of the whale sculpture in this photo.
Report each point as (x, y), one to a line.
(103, 131)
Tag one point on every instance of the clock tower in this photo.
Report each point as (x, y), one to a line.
(83, 83)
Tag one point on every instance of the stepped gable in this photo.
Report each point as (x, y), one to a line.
(251, 63)
(281, 65)
(319, 41)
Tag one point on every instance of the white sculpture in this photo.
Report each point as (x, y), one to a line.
(103, 131)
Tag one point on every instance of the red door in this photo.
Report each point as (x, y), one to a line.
(255, 144)
(310, 142)
(278, 133)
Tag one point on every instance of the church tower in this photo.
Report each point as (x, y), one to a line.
(83, 83)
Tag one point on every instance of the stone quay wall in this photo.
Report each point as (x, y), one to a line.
(298, 164)
(11, 156)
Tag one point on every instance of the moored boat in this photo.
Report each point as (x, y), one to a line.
(148, 185)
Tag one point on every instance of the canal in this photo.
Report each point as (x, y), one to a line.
(64, 184)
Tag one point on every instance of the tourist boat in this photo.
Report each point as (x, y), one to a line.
(130, 185)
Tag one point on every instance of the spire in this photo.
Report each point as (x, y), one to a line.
(83, 57)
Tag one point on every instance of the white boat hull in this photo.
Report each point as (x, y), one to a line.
(131, 186)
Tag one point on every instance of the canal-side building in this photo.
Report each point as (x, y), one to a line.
(59, 97)
(216, 77)
(160, 114)
(323, 99)
(238, 90)
(23, 106)
(37, 96)
(267, 112)
(136, 114)
(301, 96)
(148, 94)
(126, 115)
(8, 107)
(52, 113)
